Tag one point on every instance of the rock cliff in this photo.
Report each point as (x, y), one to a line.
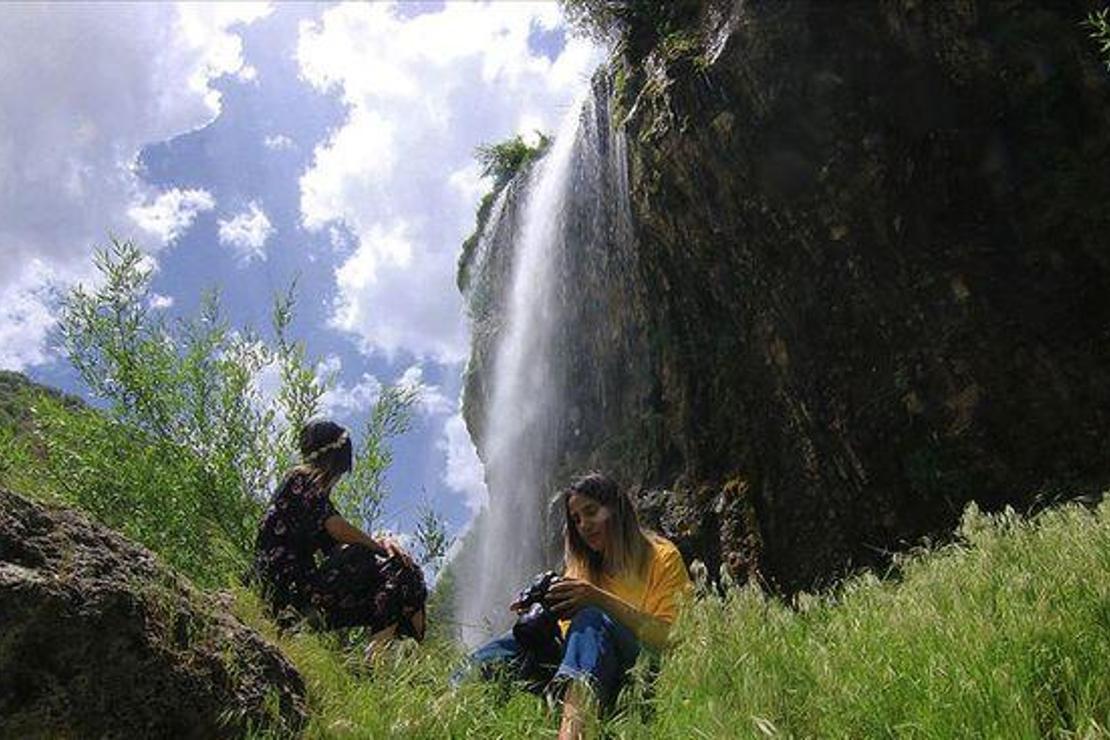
(866, 282)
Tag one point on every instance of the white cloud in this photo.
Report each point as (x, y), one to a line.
(421, 92)
(345, 401)
(469, 183)
(246, 233)
(329, 368)
(463, 471)
(431, 400)
(393, 302)
(159, 301)
(27, 318)
(267, 383)
(214, 52)
(342, 400)
(350, 167)
(171, 213)
(278, 142)
(84, 88)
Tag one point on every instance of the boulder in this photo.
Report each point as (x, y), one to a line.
(98, 638)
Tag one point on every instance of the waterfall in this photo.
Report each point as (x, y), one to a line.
(566, 206)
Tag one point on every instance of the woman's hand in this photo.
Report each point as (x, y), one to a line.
(342, 531)
(392, 549)
(569, 595)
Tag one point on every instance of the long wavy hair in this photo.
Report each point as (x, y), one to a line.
(628, 548)
(325, 451)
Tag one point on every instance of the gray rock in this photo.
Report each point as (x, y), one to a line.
(100, 639)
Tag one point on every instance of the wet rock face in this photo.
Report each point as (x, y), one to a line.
(98, 639)
(876, 235)
(868, 282)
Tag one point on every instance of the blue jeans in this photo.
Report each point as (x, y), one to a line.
(599, 650)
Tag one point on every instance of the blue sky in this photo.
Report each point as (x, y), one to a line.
(245, 145)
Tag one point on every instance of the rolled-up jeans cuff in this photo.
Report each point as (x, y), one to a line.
(557, 687)
(565, 675)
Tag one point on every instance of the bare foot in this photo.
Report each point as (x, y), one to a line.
(579, 712)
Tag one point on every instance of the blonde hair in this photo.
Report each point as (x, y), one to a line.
(628, 549)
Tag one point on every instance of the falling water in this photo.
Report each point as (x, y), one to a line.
(566, 199)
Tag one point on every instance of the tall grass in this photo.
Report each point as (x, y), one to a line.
(155, 492)
(1006, 634)
(402, 692)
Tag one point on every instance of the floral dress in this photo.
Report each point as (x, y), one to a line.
(301, 566)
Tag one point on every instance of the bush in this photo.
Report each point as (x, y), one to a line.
(503, 160)
(1098, 26)
(149, 489)
(189, 447)
(636, 24)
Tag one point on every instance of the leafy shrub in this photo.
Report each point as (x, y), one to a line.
(189, 446)
(1098, 26)
(504, 159)
(190, 436)
(149, 489)
(361, 494)
(637, 24)
(501, 161)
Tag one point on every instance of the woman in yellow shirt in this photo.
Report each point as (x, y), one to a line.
(620, 591)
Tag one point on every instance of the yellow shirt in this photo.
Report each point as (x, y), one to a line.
(659, 594)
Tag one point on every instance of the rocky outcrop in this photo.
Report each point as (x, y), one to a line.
(877, 236)
(868, 282)
(98, 639)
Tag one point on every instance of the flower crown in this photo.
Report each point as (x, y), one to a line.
(339, 442)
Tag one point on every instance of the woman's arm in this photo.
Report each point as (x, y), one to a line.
(571, 594)
(652, 631)
(343, 531)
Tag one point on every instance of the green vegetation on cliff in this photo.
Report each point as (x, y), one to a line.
(501, 161)
(637, 24)
(1098, 24)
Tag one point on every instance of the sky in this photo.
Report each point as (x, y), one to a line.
(245, 145)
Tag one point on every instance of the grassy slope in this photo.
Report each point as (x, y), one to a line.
(1005, 635)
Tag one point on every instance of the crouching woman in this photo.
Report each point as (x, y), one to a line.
(314, 564)
(620, 593)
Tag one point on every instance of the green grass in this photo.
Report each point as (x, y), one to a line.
(155, 493)
(1004, 635)
(402, 693)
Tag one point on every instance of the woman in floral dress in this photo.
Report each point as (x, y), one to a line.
(314, 564)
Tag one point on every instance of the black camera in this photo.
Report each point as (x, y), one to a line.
(537, 628)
